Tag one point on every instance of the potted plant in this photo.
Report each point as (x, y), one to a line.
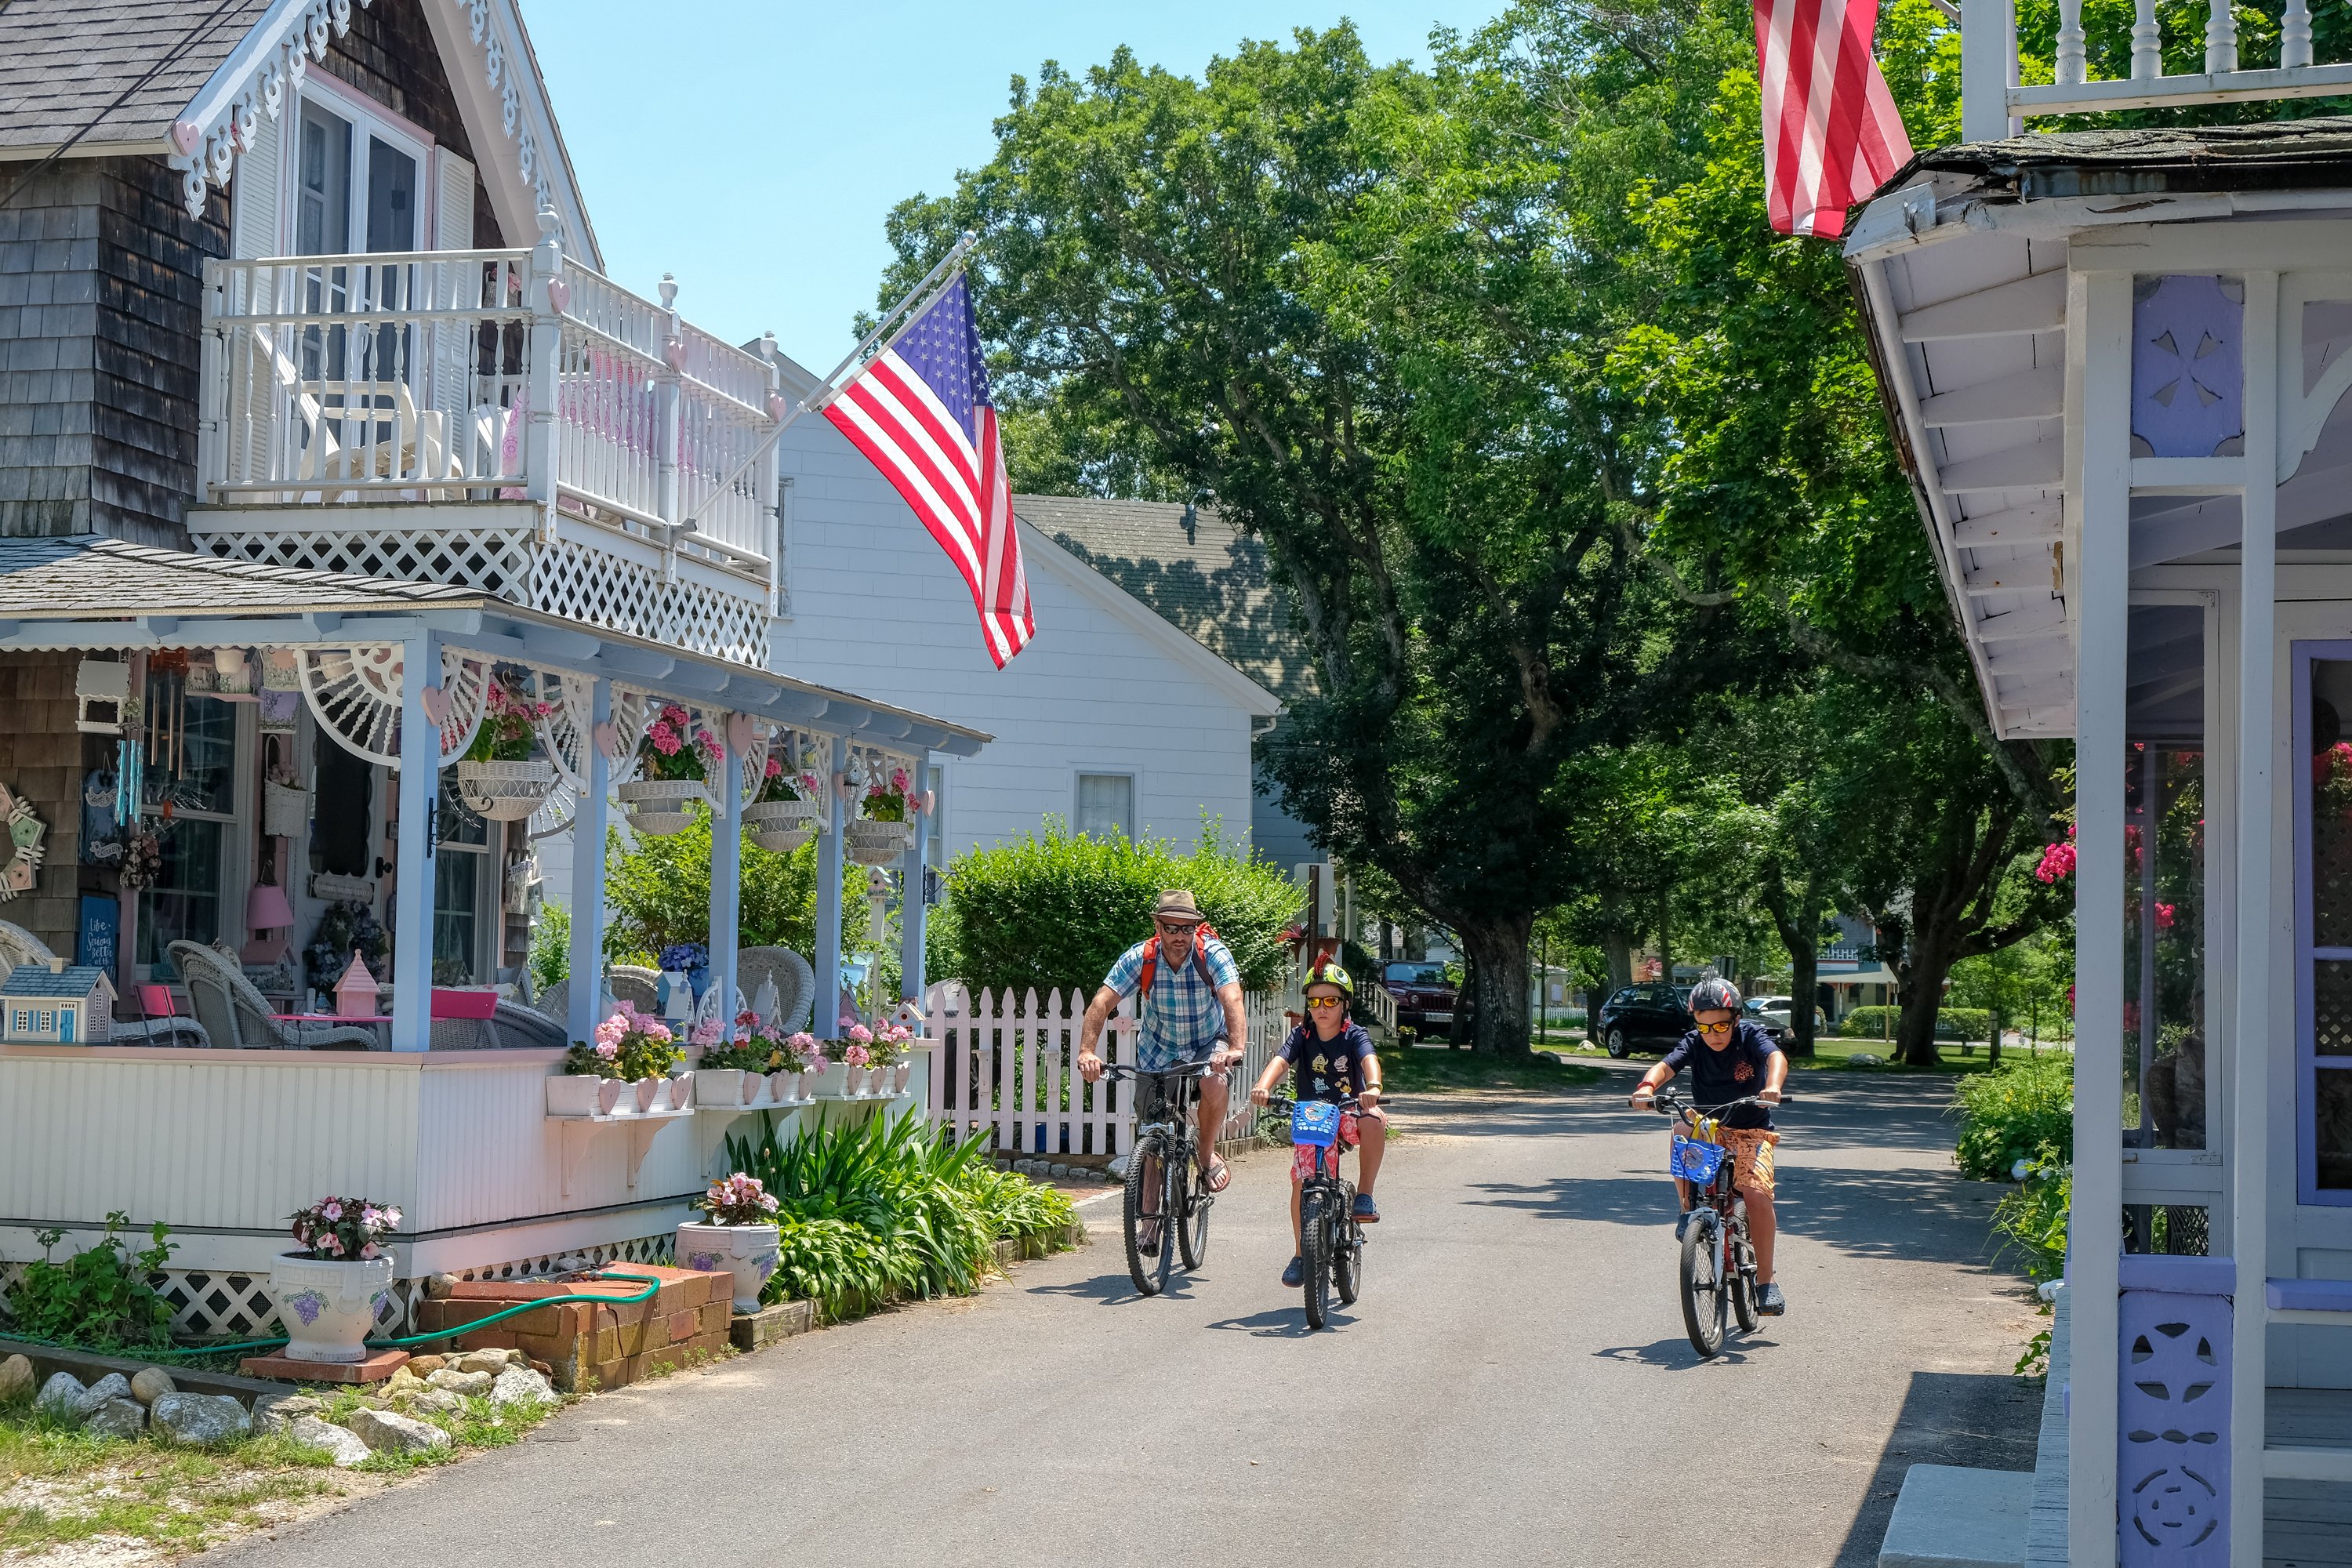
(329, 1290)
(806, 1054)
(891, 1043)
(733, 1074)
(627, 1064)
(856, 1045)
(686, 967)
(784, 817)
(676, 755)
(886, 810)
(497, 777)
(735, 1235)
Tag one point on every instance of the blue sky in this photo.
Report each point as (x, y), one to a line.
(755, 149)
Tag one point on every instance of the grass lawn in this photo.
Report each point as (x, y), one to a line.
(1434, 1069)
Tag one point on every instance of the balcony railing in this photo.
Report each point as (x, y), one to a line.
(337, 381)
(1990, 97)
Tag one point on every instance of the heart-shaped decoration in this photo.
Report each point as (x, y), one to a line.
(187, 136)
(436, 701)
(608, 741)
(739, 732)
(673, 352)
(778, 406)
(559, 295)
(930, 802)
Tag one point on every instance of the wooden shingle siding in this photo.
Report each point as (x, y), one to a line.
(100, 292)
(41, 759)
(389, 55)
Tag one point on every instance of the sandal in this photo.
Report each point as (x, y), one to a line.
(1146, 1235)
(1217, 1177)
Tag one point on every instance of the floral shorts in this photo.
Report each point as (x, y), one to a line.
(1750, 1156)
(1303, 1155)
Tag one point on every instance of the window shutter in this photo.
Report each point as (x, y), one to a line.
(453, 229)
(257, 204)
(260, 192)
(453, 221)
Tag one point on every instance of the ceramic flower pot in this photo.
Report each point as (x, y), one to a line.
(779, 826)
(717, 1086)
(327, 1305)
(505, 792)
(615, 1096)
(662, 806)
(746, 1251)
(833, 1080)
(901, 1075)
(572, 1094)
(645, 1088)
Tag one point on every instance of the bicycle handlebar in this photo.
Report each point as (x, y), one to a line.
(1183, 1069)
(1290, 1102)
(1671, 1102)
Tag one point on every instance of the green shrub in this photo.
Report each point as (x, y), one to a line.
(660, 895)
(99, 1298)
(2032, 1219)
(1951, 1024)
(2023, 1110)
(550, 946)
(1055, 911)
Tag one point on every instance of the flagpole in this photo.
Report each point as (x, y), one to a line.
(827, 391)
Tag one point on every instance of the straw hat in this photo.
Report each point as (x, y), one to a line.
(1176, 904)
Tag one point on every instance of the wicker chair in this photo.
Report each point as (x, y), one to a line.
(519, 1027)
(18, 945)
(795, 982)
(236, 1018)
(628, 982)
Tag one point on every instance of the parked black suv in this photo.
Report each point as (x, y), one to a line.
(1649, 1017)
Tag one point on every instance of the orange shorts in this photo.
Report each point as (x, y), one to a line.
(1751, 1156)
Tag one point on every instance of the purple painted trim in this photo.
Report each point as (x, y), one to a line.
(2309, 1295)
(2300, 655)
(2178, 1276)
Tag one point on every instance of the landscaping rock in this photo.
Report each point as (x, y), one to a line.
(15, 1380)
(114, 1386)
(417, 1397)
(440, 1287)
(339, 1444)
(490, 1361)
(123, 1418)
(62, 1397)
(542, 1368)
(280, 1413)
(202, 1418)
(150, 1383)
(388, 1433)
(520, 1386)
(464, 1385)
(424, 1365)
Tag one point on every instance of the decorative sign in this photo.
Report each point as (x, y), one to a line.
(100, 929)
(337, 889)
(2189, 372)
(22, 869)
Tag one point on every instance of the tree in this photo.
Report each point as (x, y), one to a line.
(659, 888)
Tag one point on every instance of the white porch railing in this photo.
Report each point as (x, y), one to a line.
(490, 375)
(1002, 1069)
(1989, 95)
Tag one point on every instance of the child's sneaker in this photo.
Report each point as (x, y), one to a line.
(1769, 1302)
(1366, 1210)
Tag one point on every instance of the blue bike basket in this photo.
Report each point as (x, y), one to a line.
(1697, 1161)
(1315, 1121)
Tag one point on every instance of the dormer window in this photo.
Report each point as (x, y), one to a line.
(340, 174)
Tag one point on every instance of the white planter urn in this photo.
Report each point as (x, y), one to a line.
(662, 806)
(746, 1251)
(779, 825)
(327, 1305)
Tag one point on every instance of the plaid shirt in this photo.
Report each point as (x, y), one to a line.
(1182, 1019)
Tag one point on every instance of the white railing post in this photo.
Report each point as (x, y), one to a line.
(2072, 67)
(2220, 38)
(1987, 38)
(768, 482)
(542, 367)
(212, 389)
(2294, 36)
(2147, 39)
(667, 412)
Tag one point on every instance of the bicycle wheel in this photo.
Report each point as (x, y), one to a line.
(1347, 1258)
(1743, 1282)
(1143, 1160)
(1192, 1234)
(1314, 1249)
(1702, 1281)
(1171, 1207)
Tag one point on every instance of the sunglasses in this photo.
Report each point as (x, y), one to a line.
(1723, 1028)
(1175, 928)
(1327, 1001)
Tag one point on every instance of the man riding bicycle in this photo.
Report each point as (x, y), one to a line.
(1332, 1057)
(1731, 1057)
(1189, 995)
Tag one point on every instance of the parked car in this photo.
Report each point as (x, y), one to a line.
(1650, 1016)
(1778, 1014)
(1425, 999)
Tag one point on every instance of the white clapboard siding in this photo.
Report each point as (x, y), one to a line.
(1001, 1069)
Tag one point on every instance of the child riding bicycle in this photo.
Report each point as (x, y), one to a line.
(1332, 1059)
(1731, 1057)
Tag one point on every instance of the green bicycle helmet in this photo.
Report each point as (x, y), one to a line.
(1331, 974)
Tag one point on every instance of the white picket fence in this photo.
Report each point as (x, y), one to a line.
(1001, 1069)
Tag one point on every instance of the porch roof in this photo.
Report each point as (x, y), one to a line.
(85, 591)
(63, 63)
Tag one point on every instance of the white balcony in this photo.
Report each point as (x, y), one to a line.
(1992, 103)
(505, 420)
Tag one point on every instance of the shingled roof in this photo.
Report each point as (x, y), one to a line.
(1196, 570)
(64, 62)
(88, 576)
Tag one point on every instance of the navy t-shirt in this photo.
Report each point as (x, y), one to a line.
(1330, 1069)
(1732, 1073)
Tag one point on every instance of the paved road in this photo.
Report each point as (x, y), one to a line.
(1513, 1387)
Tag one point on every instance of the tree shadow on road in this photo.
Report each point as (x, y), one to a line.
(1983, 1421)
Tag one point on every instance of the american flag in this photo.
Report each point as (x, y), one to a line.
(1832, 133)
(920, 412)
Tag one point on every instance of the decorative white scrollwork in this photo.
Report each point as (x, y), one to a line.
(354, 694)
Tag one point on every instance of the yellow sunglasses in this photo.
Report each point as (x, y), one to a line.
(1724, 1028)
(1327, 1001)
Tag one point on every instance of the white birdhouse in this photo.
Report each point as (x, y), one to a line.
(57, 1003)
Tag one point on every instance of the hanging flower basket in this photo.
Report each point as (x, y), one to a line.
(778, 825)
(660, 807)
(504, 791)
(877, 843)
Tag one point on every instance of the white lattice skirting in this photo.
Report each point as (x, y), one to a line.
(600, 589)
(495, 560)
(215, 1304)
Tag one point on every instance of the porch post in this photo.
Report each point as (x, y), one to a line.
(2102, 311)
(2252, 1040)
(912, 914)
(418, 784)
(727, 866)
(824, 1021)
(586, 993)
(543, 366)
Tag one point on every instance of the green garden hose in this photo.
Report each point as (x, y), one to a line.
(653, 1285)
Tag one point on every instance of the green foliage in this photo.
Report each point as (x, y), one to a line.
(2031, 1218)
(99, 1298)
(550, 946)
(1057, 909)
(659, 891)
(1873, 1023)
(2023, 1112)
(887, 1207)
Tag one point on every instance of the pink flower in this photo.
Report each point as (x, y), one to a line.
(612, 1032)
(329, 1242)
(608, 1050)
(856, 1055)
(705, 743)
(664, 737)
(673, 716)
(331, 1211)
(369, 1250)
(2164, 915)
(391, 1219)
(747, 1019)
(803, 1041)
(861, 1034)
(655, 1030)
(775, 768)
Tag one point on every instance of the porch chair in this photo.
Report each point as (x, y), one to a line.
(795, 981)
(519, 1027)
(18, 945)
(638, 986)
(235, 1015)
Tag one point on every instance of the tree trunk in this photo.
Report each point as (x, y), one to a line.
(1798, 920)
(1457, 1033)
(1666, 941)
(1927, 965)
(1498, 983)
(1804, 965)
(1620, 949)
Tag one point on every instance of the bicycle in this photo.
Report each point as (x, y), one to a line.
(1330, 1237)
(1718, 1262)
(1167, 1154)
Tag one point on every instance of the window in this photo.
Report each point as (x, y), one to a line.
(191, 743)
(341, 155)
(935, 847)
(2323, 926)
(461, 876)
(1106, 806)
(2166, 1102)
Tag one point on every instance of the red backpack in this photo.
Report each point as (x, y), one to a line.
(1202, 935)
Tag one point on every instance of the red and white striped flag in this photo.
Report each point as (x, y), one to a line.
(919, 411)
(1832, 133)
